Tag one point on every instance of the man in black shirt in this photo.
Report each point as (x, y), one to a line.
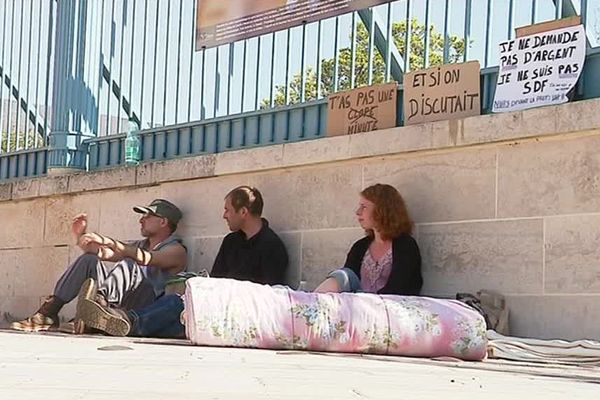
(252, 252)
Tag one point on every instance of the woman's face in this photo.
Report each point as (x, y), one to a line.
(364, 213)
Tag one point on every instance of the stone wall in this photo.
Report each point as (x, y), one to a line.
(507, 202)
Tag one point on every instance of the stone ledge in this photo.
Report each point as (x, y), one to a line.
(551, 121)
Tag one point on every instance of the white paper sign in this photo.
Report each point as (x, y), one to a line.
(540, 69)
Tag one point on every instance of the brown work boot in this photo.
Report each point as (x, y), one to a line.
(44, 319)
(113, 321)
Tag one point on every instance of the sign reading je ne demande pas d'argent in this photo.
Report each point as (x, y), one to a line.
(540, 69)
(225, 21)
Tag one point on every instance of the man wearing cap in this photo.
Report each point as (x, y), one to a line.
(140, 273)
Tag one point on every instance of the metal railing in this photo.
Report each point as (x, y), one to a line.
(136, 58)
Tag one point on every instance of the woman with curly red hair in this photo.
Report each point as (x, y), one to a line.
(387, 259)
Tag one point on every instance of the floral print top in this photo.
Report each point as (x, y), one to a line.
(375, 274)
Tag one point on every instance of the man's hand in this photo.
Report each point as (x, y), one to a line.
(79, 226)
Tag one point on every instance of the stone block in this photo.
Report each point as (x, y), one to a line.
(118, 177)
(5, 191)
(38, 270)
(572, 254)
(16, 308)
(117, 218)
(505, 256)
(316, 151)
(60, 211)
(441, 187)
(391, 141)
(549, 178)
(325, 251)
(578, 116)
(255, 159)
(144, 174)
(54, 185)
(201, 202)
(183, 168)
(555, 317)
(22, 223)
(293, 245)
(203, 252)
(26, 188)
(311, 198)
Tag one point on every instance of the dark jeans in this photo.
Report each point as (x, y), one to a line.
(160, 319)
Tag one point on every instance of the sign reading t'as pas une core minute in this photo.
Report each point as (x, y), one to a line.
(362, 110)
(445, 92)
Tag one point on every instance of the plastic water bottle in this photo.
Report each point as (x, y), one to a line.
(132, 144)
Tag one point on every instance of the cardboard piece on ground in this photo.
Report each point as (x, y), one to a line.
(361, 110)
(445, 92)
(548, 26)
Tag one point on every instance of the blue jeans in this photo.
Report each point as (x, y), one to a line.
(347, 280)
(160, 319)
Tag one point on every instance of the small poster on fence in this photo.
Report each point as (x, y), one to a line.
(539, 69)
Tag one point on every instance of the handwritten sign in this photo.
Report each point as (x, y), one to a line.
(362, 110)
(539, 69)
(445, 92)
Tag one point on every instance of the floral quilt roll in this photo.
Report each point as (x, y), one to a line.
(226, 312)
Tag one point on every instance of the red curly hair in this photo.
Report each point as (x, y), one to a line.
(390, 213)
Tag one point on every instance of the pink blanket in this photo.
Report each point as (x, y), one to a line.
(226, 312)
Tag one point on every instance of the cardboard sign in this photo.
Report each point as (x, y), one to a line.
(539, 69)
(445, 92)
(362, 110)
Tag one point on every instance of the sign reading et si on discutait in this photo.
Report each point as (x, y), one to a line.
(445, 92)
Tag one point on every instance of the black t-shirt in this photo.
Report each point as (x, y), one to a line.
(260, 259)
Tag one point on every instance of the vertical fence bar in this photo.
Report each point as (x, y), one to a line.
(488, 33)
(100, 62)
(11, 77)
(244, 49)
(37, 79)
(2, 75)
(130, 91)
(558, 9)
(271, 97)
(584, 12)
(192, 47)
(447, 32)
(18, 84)
(48, 59)
(230, 65)
(467, 32)
(388, 50)
(155, 59)
(303, 65)
(371, 45)
(120, 101)
(257, 77)
(178, 63)
(143, 74)
(336, 55)
(30, 45)
(168, 23)
(203, 82)
(353, 52)
(217, 85)
(287, 67)
(427, 33)
(110, 64)
(244, 56)
(533, 11)
(511, 19)
(407, 36)
(319, 64)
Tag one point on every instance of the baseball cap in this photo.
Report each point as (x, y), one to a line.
(162, 208)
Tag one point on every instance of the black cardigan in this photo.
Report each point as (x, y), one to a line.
(405, 278)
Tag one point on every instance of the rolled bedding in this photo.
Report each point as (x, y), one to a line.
(226, 312)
